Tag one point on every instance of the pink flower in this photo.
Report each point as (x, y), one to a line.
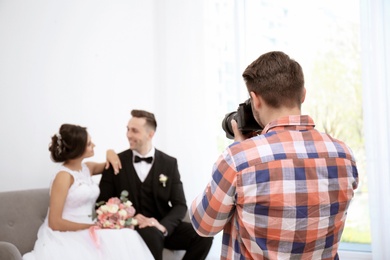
(115, 201)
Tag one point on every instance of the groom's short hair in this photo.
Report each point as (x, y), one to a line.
(149, 117)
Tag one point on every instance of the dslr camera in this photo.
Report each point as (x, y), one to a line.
(245, 120)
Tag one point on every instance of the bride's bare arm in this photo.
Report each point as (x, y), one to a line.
(58, 194)
(111, 158)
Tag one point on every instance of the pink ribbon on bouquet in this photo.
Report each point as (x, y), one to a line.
(94, 236)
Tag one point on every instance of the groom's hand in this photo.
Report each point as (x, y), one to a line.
(144, 222)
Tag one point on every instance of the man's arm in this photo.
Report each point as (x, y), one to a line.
(177, 199)
(211, 210)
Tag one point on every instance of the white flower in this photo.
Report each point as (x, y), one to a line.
(122, 213)
(112, 208)
(104, 208)
(163, 179)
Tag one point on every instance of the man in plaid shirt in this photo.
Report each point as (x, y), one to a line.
(283, 194)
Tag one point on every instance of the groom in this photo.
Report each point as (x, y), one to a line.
(153, 181)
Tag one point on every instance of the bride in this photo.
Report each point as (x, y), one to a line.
(66, 231)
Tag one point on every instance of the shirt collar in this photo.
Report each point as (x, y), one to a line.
(293, 122)
(149, 154)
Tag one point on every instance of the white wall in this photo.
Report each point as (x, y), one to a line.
(82, 62)
(185, 101)
(90, 63)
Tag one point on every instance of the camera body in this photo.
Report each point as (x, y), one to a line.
(245, 120)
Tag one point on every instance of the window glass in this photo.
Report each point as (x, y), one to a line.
(323, 36)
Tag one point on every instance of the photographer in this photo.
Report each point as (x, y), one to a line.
(283, 193)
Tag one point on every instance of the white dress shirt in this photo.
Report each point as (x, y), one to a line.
(143, 168)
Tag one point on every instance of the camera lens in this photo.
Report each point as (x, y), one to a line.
(227, 125)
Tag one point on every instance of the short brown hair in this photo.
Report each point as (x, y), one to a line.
(149, 117)
(276, 78)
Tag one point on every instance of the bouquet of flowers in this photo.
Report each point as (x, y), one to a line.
(116, 213)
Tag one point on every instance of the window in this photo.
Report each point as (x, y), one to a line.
(324, 37)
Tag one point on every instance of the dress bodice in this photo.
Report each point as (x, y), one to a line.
(112, 243)
(81, 198)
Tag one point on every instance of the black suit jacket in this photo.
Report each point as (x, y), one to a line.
(170, 200)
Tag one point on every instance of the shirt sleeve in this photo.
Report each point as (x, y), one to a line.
(212, 209)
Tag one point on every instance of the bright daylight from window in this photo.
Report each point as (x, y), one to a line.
(323, 36)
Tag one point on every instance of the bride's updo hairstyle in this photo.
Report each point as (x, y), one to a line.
(69, 143)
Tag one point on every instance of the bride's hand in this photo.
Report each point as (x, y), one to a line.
(113, 159)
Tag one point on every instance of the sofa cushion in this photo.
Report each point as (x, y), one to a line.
(22, 212)
(21, 215)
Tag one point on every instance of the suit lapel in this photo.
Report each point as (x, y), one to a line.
(154, 172)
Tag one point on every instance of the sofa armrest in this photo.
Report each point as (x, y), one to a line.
(9, 251)
(187, 217)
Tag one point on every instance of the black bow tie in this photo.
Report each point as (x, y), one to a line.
(146, 159)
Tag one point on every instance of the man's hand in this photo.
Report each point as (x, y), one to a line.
(238, 136)
(113, 159)
(149, 222)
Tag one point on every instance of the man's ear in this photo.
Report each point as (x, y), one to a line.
(256, 101)
(303, 95)
(151, 133)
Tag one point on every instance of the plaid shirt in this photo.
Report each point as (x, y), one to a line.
(280, 195)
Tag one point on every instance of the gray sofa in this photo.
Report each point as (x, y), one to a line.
(21, 214)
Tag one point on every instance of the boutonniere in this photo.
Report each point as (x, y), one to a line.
(163, 179)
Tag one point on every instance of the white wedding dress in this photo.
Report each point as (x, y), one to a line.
(72, 245)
